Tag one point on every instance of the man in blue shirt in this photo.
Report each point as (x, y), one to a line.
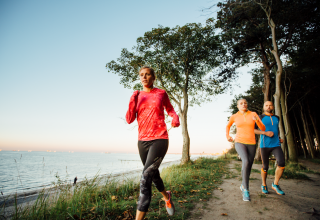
(270, 143)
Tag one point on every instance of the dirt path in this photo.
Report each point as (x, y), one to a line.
(301, 196)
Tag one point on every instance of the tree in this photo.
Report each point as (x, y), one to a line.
(246, 34)
(183, 58)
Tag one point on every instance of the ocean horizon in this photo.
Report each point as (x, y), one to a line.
(23, 171)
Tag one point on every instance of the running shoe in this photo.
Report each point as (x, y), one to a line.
(245, 194)
(169, 204)
(277, 189)
(264, 189)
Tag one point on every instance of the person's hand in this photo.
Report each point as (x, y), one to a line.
(255, 117)
(281, 141)
(269, 133)
(230, 139)
(135, 95)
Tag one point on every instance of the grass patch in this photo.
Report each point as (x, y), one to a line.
(262, 195)
(315, 160)
(190, 183)
(255, 171)
(237, 167)
(292, 171)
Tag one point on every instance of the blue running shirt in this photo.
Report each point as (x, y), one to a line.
(272, 124)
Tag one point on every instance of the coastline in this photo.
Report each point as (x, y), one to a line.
(27, 198)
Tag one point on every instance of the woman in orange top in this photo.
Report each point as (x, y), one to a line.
(245, 141)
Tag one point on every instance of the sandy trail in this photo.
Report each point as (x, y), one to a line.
(271, 206)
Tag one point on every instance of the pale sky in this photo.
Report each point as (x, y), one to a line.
(55, 92)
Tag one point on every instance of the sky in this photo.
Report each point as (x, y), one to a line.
(55, 92)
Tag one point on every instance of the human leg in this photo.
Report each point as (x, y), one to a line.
(151, 154)
(278, 154)
(251, 154)
(246, 153)
(265, 153)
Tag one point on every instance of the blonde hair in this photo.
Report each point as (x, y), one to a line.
(240, 100)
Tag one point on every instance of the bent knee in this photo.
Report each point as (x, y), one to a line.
(281, 164)
(263, 170)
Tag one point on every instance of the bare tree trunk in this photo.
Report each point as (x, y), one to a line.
(258, 152)
(287, 125)
(314, 124)
(186, 139)
(301, 140)
(266, 74)
(266, 86)
(184, 118)
(277, 94)
(308, 139)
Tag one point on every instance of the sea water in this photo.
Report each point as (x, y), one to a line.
(24, 171)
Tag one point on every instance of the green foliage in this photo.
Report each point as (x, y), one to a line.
(315, 160)
(254, 95)
(291, 171)
(190, 183)
(182, 57)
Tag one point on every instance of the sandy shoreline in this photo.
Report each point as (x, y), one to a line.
(29, 197)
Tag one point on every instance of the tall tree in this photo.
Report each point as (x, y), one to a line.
(183, 58)
(246, 33)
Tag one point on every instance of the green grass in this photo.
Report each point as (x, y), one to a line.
(190, 184)
(255, 171)
(292, 171)
(315, 160)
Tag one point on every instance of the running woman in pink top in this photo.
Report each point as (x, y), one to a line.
(148, 107)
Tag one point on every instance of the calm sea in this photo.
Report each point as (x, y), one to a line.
(23, 171)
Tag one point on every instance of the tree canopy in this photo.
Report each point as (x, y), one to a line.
(186, 60)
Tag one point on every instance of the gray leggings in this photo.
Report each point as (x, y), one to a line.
(247, 153)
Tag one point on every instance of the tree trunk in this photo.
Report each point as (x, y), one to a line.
(266, 75)
(258, 152)
(186, 139)
(301, 140)
(184, 125)
(278, 82)
(287, 125)
(314, 124)
(266, 86)
(305, 127)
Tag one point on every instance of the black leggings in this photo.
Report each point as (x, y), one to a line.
(278, 154)
(151, 154)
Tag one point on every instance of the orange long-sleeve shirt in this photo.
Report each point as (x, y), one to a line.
(245, 127)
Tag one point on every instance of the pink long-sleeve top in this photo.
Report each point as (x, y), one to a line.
(148, 108)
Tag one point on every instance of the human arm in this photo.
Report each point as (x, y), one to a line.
(170, 110)
(230, 122)
(132, 111)
(281, 141)
(267, 133)
(259, 122)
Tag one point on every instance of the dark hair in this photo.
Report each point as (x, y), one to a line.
(151, 70)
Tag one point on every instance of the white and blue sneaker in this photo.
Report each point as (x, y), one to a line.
(245, 194)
